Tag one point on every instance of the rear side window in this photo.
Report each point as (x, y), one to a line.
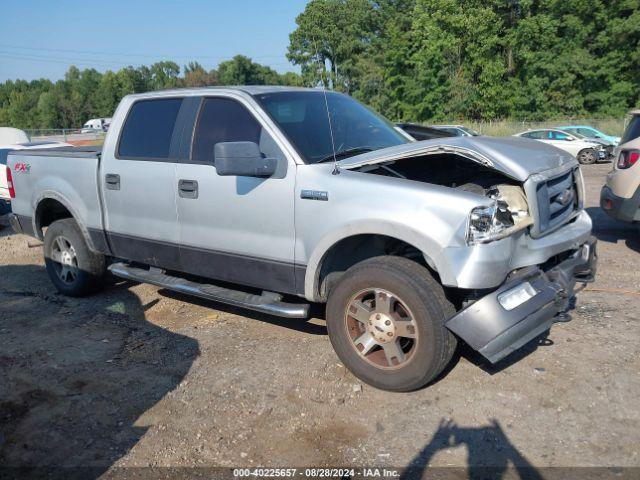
(148, 129)
(633, 130)
(222, 120)
(537, 135)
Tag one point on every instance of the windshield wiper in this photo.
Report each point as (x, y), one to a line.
(349, 152)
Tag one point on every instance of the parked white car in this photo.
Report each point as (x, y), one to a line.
(5, 195)
(96, 125)
(585, 151)
(11, 136)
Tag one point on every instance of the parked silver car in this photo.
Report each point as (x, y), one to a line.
(584, 150)
(412, 245)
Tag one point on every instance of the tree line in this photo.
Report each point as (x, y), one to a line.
(85, 94)
(417, 60)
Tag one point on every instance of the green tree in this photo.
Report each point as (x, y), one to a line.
(196, 76)
(332, 34)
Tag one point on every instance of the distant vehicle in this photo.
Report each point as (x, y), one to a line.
(590, 132)
(607, 146)
(586, 151)
(5, 196)
(11, 136)
(620, 196)
(96, 125)
(457, 130)
(420, 132)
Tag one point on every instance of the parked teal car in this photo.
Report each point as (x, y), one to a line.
(590, 132)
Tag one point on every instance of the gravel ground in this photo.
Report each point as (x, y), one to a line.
(138, 376)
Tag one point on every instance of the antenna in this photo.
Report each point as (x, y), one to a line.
(336, 170)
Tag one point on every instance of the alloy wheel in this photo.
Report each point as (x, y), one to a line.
(382, 328)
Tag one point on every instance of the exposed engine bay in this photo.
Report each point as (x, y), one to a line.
(509, 210)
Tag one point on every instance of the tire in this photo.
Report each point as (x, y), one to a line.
(418, 307)
(588, 156)
(73, 268)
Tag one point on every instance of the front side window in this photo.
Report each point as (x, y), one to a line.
(148, 129)
(558, 136)
(302, 117)
(222, 120)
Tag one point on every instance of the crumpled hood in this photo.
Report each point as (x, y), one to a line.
(516, 157)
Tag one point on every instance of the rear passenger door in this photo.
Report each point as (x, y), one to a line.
(139, 184)
(233, 228)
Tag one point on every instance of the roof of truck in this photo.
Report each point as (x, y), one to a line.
(249, 89)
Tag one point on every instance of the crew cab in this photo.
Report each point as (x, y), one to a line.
(272, 198)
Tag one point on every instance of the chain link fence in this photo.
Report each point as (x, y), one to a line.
(75, 136)
(502, 128)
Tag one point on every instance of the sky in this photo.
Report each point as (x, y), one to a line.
(42, 38)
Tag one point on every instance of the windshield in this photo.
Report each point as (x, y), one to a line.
(471, 132)
(302, 116)
(575, 134)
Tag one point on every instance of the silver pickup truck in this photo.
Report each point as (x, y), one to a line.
(273, 198)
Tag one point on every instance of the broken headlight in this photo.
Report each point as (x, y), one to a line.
(488, 223)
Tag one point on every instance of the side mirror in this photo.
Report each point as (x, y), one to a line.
(242, 159)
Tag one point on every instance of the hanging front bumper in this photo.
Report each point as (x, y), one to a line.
(525, 306)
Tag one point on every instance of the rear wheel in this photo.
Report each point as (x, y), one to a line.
(385, 318)
(73, 268)
(587, 156)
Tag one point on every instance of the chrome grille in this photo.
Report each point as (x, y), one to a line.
(557, 200)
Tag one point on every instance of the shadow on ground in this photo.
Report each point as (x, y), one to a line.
(491, 455)
(606, 229)
(316, 311)
(78, 373)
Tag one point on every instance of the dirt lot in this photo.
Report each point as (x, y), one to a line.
(138, 376)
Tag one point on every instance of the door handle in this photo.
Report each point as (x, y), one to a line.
(112, 181)
(188, 188)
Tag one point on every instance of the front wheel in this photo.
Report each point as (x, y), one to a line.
(588, 156)
(385, 319)
(73, 268)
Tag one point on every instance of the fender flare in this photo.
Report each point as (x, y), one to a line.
(53, 195)
(426, 245)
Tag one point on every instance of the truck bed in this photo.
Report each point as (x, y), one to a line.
(67, 175)
(67, 152)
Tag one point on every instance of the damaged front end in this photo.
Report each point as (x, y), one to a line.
(507, 214)
(527, 242)
(505, 210)
(525, 306)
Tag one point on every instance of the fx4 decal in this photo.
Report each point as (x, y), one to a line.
(22, 167)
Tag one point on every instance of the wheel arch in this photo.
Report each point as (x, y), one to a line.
(336, 253)
(50, 207)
